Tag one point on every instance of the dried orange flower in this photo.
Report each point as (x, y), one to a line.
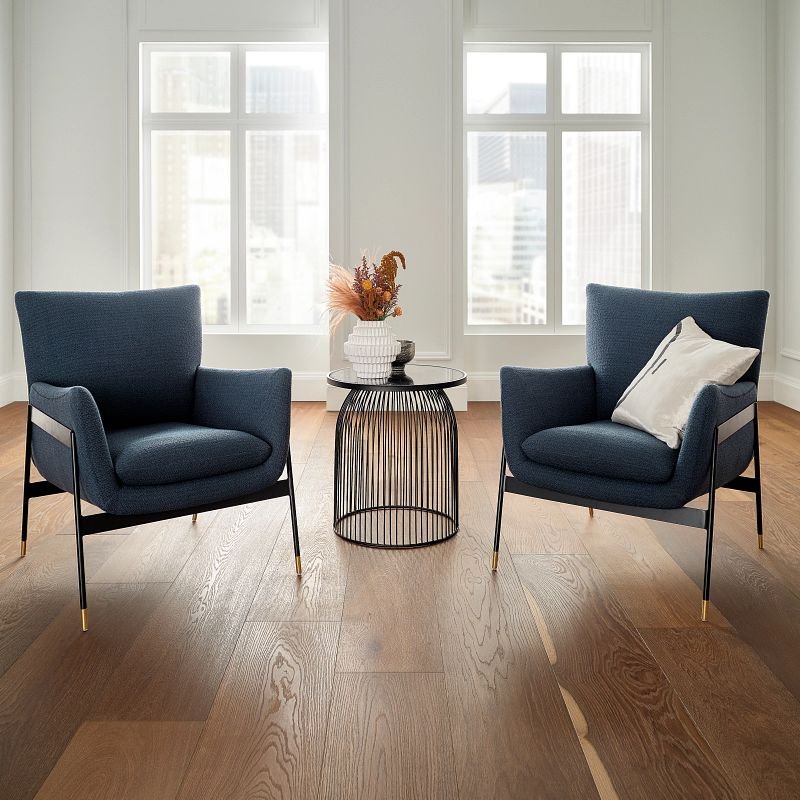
(366, 285)
(398, 312)
(387, 296)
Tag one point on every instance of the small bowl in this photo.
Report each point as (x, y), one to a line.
(406, 354)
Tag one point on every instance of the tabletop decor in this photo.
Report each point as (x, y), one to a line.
(370, 293)
(407, 350)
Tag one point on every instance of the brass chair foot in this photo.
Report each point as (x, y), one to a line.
(495, 556)
(194, 518)
(84, 619)
(298, 565)
(23, 548)
(704, 611)
(760, 541)
(591, 512)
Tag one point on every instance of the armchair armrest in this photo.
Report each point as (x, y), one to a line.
(714, 405)
(254, 401)
(75, 408)
(535, 399)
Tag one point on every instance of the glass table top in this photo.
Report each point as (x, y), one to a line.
(416, 377)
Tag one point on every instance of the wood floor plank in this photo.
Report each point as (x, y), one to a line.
(175, 666)
(764, 612)
(642, 734)
(154, 553)
(747, 715)
(265, 736)
(47, 693)
(34, 589)
(396, 634)
(319, 595)
(512, 735)
(123, 760)
(652, 589)
(388, 737)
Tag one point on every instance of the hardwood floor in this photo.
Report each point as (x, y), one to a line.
(579, 670)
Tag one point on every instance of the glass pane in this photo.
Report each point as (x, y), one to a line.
(601, 215)
(601, 83)
(506, 83)
(198, 83)
(287, 227)
(191, 216)
(507, 228)
(286, 82)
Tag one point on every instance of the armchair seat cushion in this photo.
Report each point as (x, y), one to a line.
(164, 453)
(605, 449)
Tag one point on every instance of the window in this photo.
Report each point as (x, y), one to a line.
(235, 181)
(557, 144)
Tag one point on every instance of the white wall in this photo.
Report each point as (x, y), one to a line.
(787, 278)
(395, 149)
(6, 203)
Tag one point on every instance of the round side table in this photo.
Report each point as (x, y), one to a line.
(396, 459)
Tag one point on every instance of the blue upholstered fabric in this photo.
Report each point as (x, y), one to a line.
(136, 352)
(714, 404)
(603, 448)
(161, 349)
(623, 328)
(170, 452)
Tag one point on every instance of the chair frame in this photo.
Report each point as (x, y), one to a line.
(102, 523)
(685, 515)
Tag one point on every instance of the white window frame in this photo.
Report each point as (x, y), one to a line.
(553, 122)
(237, 122)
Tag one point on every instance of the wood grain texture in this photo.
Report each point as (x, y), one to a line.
(652, 589)
(34, 589)
(265, 736)
(390, 634)
(319, 595)
(48, 692)
(388, 737)
(512, 735)
(739, 704)
(634, 721)
(123, 760)
(765, 613)
(154, 553)
(173, 669)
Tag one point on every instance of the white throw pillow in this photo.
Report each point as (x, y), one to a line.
(660, 397)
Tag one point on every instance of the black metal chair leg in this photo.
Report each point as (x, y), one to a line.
(23, 542)
(757, 461)
(293, 510)
(712, 491)
(499, 519)
(76, 496)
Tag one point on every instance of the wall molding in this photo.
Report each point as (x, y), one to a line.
(787, 352)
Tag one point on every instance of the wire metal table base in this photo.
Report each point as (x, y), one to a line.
(396, 468)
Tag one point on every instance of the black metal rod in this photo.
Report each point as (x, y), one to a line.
(293, 508)
(26, 484)
(757, 463)
(76, 496)
(501, 490)
(712, 491)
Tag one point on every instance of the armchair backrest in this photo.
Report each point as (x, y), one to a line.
(624, 326)
(136, 352)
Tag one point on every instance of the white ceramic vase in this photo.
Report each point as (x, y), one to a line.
(371, 348)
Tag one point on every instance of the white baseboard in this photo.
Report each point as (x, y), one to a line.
(13, 387)
(786, 391)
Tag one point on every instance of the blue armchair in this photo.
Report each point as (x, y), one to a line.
(559, 442)
(120, 407)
